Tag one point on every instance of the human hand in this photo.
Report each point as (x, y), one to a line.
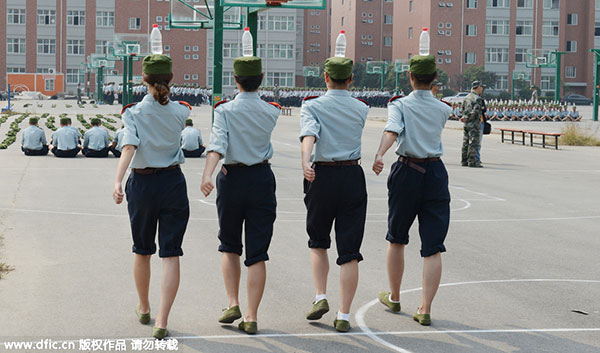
(378, 164)
(462, 120)
(308, 171)
(118, 193)
(207, 185)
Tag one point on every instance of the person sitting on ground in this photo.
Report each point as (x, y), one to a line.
(33, 140)
(562, 114)
(64, 141)
(77, 132)
(191, 141)
(574, 115)
(96, 141)
(116, 146)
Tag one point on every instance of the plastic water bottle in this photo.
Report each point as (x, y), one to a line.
(247, 49)
(340, 44)
(156, 40)
(424, 42)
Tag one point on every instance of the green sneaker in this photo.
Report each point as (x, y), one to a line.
(250, 327)
(476, 165)
(384, 298)
(318, 310)
(230, 315)
(423, 319)
(159, 333)
(341, 325)
(143, 318)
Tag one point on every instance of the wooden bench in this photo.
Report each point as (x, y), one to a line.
(512, 135)
(286, 111)
(556, 135)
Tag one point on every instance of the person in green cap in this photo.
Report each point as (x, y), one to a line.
(191, 141)
(64, 141)
(417, 184)
(156, 189)
(96, 141)
(241, 135)
(33, 139)
(334, 185)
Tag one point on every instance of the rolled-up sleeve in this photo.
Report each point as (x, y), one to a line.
(309, 126)
(130, 134)
(395, 122)
(219, 136)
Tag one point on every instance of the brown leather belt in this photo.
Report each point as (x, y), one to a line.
(245, 165)
(154, 170)
(411, 162)
(340, 163)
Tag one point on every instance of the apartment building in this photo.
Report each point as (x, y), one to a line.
(317, 34)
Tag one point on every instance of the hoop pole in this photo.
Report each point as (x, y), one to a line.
(559, 55)
(253, 24)
(130, 87)
(8, 98)
(217, 56)
(99, 85)
(596, 82)
(124, 86)
(88, 82)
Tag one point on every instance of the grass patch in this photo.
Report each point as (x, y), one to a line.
(574, 135)
(4, 268)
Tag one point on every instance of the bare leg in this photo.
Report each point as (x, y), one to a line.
(348, 284)
(141, 274)
(170, 285)
(230, 264)
(395, 268)
(320, 268)
(257, 276)
(432, 274)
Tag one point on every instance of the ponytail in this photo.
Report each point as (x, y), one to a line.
(160, 83)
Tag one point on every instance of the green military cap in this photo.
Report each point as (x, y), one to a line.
(247, 66)
(189, 122)
(64, 121)
(423, 64)
(436, 83)
(33, 120)
(95, 121)
(339, 68)
(476, 84)
(157, 64)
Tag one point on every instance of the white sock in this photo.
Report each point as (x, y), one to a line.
(320, 297)
(342, 316)
(393, 301)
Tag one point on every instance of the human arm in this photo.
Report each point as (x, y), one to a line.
(308, 142)
(387, 140)
(124, 162)
(212, 159)
(309, 134)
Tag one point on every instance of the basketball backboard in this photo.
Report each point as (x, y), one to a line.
(131, 44)
(200, 14)
(311, 71)
(401, 65)
(286, 4)
(97, 61)
(540, 58)
(376, 67)
(521, 75)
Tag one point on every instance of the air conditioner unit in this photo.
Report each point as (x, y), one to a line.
(52, 70)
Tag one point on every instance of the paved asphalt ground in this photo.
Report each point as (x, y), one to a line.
(522, 254)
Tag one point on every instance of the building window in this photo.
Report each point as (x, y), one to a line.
(471, 30)
(16, 16)
(520, 55)
(76, 18)
(46, 46)
(15, 70)
(75, 47)
(496, 55)
(551, 4)
(548, 83)
(186, 77)
(194, 76)
(158, 19)
(550, 28)
(448, 25)
(167, 47)
(411, 6)
(448, 33)
(195, 57)
(597, 29)
(195, 48)
(283, 79)
(388, 19)
(281, 23)
(187, 57)
(498, 3)
(15, 45)
(571, 46)
(342, 20)
(471, 4)
(501, 82)
(135, 23)
(470, 58)
(280, 51)
(188, 48)
(525, 4)
(497, 27)
(105, 18)
(387, 41)
(46, 17)
(75, 76)
(102, 47)
(230, 50)
(524, 28)
(49, 84)
(410, 32)
(572, 19)
(570, 72)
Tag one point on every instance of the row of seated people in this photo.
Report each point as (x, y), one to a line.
(498, 112)
(66, 141)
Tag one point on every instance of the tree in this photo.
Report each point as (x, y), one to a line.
(475, 73)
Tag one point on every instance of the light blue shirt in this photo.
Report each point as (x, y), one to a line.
(336, 120)
(118, 139)
(419, 120)
(64, 139)
(155, 131)
(191, 139)
(33, 138)
(242, 128)
(77, 132)
(96, 139)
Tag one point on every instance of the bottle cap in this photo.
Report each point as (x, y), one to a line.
(155, 26)
(247, 29)
(342, 32)
(425, 29)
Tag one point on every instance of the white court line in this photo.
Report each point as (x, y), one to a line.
(477, 193)
(360, 313)
(286, 144)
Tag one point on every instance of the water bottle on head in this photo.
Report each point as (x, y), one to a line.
(156, 46)
(247, 49)
(340, 44)
(424, 42)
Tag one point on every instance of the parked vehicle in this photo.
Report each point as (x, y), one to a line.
(458, 98)
(576, 99)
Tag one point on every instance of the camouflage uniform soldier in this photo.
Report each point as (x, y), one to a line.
(472, 132)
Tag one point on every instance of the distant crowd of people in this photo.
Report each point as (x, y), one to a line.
(193, 95)
(508, 110)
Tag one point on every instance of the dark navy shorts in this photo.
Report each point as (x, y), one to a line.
(158, 199)
(246, 196)
(413, 193)
(338, 193)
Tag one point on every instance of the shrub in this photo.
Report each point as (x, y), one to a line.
(50, 123)
(576, 136)
(83, 122)
(68, 105)
(11, 135)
